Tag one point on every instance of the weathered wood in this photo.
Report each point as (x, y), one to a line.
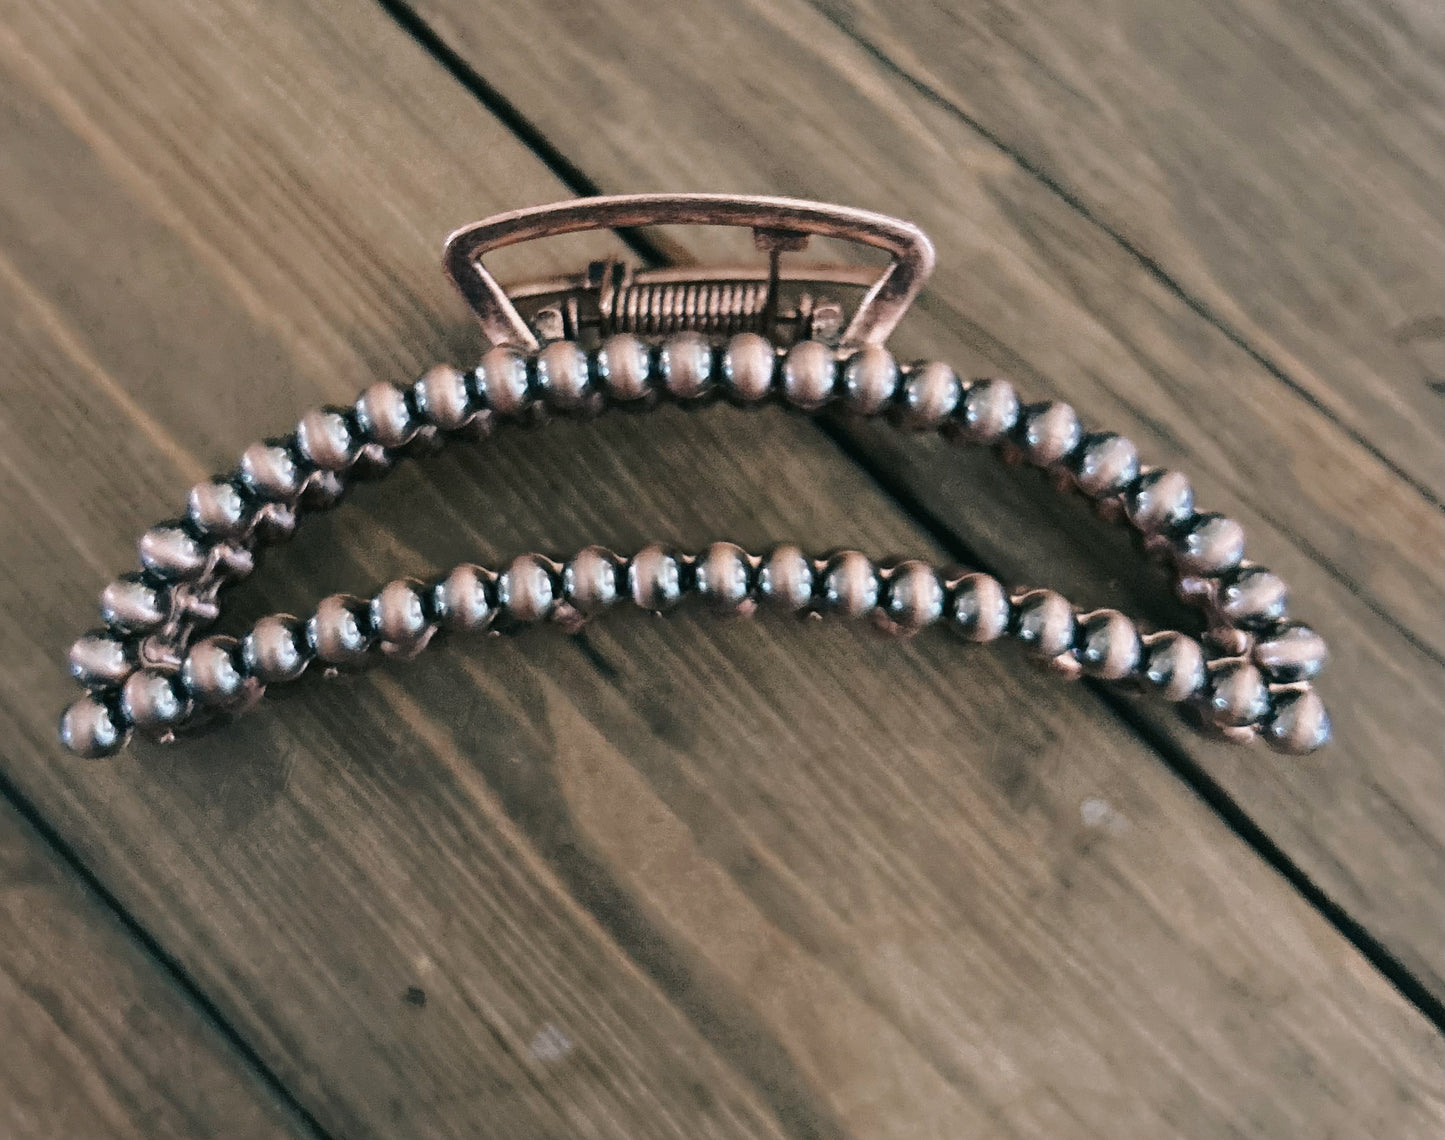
(774, 98)
(678, 879)
(98, 1041)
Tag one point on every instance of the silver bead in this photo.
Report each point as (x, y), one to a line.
(100, 660)
(1159, 501)
(988, 412)
(1174, 665)
(133, 605)
(338, 632)
(274, 649)
(1211, 545)
(167, 550)
(466, 599)
(269, 471)
(785, 579)
(1238, 695)
(527, 589)
(443, 398)
(685, 365)
(564, 379)
(1300, 724)
(723, 576)
(399, 617)
(325, 439)
(1254, 598)
(624, 366)
(1048, 433)
(1108, 645)
(217, 508)
(151, 701)
(502, 383)
(1044, 622)
(810, 372)
(747, 367)
(385, 417)
(1105, 464)
(89, 728)
(654, 578)
(929, 396)
(914, 596)
(850, 585)
(979, 607)
(211, 672)
(1295, 653)
(870, 380)
(590, 580)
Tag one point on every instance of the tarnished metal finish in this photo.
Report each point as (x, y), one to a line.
(654, 578)
(1293, 653)
(591, 580)
(399, 617)
(786, 579)
(914, 597)
(1049, 433)
(810, 374)
(564, 379)
(89, 729)
(748, 363)
(870, 380)
(169, 552)
(1108, 645)
(1174, 665)
(275, 649)
(1105, 464)
(1238, 695)
(723, 577)
(1211, 545)
(851, 586)
(466, 599)
(216, 508)
(133, 605)
(212, 671)
(624, 366)
(929, 396)
(443, 398)
(988, 412)
(325, 439)
(527, 589)
(1253, 598)
(979, 607)
(339, 630)
(1044, 622)
(501, 381)
(684, 364)
(101, 659)
(385, 417)
(269, 471)
(151, 701)
(1160, 501)
(1299, 725)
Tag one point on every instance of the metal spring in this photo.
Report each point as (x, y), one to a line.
(709, 306)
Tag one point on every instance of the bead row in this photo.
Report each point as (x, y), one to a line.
(224, 674)
(151, 616)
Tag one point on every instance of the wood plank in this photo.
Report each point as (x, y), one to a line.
(681, 879)
(1029, 288)
(98, 1041)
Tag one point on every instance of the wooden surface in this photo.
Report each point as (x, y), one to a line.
(683, 878)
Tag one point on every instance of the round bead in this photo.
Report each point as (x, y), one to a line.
(1048, 433)
(1300, 723)
(809, 374)
(785, 579)
(325, 439)
(150, 700)
(590, 580)
(132, 604)
(1159, 501)
(1211, 545)
(685, 365)
(218, 508)
(988, 412)
(338, 631)
(624, 365)
(1174, 665)
(723, 576)
(929, 396)
(211, 672)
(398, 616)
(269, 471)
(1105, 464)
(501, 381)
(1238, 695)
(654, 578)
(747, 367)
(100, 659)
(1254, 598)
(1108, 645)
(384, 416)
(167, 550)
(1295, 653)
(979, 607)
(850, 585)
(563, 376)
(274, 649)
(870, 380)
(914, 596)
(1044, 622)
(443, 399)
(466, 599)
(89, 728)
(527, 589)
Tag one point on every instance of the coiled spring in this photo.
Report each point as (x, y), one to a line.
(704, 306)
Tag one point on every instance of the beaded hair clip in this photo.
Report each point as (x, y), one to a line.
(611, 336)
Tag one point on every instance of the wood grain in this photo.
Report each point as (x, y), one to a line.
(676, 878)
(98, 1041)
(774, 98)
